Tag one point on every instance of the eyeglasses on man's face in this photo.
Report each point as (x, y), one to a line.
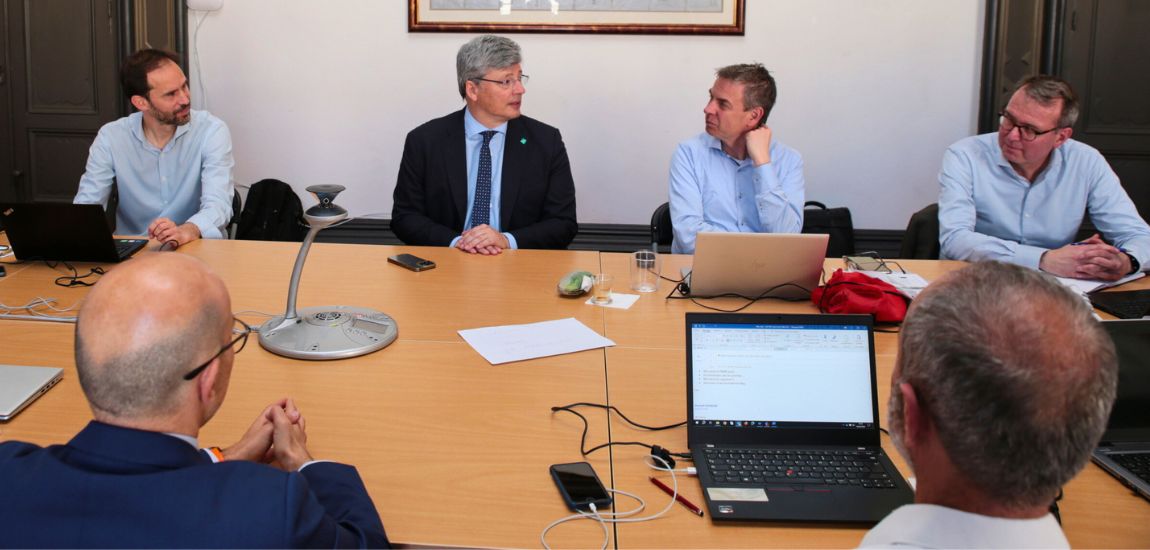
(1028, 133)
(241, 330)
(507, 82)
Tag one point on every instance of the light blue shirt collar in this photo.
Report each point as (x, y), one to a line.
(472, 127)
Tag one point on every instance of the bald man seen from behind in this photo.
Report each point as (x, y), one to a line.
(155, 344)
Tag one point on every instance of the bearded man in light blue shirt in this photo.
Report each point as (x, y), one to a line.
(172, 166)
(736, 177)
(1020, 195)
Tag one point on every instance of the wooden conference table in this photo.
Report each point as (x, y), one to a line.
(455, 451)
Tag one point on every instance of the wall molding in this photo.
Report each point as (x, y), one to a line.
(604, 237)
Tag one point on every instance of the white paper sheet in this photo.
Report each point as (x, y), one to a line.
(1086, 286)
(504, 344)
(618, 301)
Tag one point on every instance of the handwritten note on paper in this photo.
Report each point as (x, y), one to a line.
(505, 344)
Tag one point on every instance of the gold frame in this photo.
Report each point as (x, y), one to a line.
(730, 22)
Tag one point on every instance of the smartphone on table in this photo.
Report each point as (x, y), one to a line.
(411, 261)
(580, 486)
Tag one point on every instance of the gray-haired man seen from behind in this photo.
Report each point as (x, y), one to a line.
(485, 178)
(1002, 387)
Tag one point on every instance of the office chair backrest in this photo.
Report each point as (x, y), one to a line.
(661, 231)
(920, 242)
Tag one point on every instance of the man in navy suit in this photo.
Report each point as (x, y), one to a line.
(485, 178)
(155, 343)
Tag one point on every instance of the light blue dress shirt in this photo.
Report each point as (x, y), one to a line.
(189, 180)
(473, 132)
(987, 211)
(712, 191)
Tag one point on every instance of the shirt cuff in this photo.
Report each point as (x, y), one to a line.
(309, 463)
(511, 242)
(455, 241)
(1029, 256)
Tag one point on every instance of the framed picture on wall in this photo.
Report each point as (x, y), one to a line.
(579, 16)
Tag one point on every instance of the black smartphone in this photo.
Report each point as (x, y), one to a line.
(412, 262)
(580, 487)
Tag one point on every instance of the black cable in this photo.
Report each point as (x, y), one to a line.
(621, 415)
(583, 450)
(73, 280)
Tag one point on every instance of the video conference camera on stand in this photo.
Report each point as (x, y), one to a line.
(325, 332)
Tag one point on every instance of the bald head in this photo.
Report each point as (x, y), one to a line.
(144, 325)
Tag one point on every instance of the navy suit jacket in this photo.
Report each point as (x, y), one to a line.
(537, 194)
(113, 487)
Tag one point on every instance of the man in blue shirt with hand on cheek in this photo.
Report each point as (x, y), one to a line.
(736, 177)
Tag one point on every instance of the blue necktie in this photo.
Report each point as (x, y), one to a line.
(481, 209)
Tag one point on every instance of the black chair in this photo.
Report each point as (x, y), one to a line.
(920, 242)
(237, 206)
(662, 234)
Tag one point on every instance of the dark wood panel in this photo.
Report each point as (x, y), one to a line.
(59, 159)
(1119, 72)
(156, 24)
(7, 187)
(59, 52)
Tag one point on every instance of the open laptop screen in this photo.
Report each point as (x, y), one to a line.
(782, 376)
(1129, 419)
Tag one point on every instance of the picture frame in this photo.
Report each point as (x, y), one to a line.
(692, 17)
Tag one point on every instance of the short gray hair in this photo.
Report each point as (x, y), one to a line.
(1015, 373)
(142, 382)
(484, 53)
(1045, 89)
(759, 88)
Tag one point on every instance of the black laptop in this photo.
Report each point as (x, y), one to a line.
(1125, 447)
(782, 418)
(64, 232)
(1123, 304)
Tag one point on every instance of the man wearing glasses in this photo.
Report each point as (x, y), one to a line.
(485, 178)
(1020, 195)
(155, 345)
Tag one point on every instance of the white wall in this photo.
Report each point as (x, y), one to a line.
(871, 93)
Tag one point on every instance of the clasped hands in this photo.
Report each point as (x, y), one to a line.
(277, 437)
(1089, 259)
(482, 239)
(165, 231)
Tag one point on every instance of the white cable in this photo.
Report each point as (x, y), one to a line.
(196, 58)
(620, 517)
(33, 311)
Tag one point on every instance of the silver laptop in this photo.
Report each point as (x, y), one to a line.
(1125, 447)
(777, 265)
(20, 386)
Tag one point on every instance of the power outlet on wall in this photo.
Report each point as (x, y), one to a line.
(205, 5)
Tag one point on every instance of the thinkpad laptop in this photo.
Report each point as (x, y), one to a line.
(1125, 447)
(20, 386)
(1123, 304)
(782, 418)
(64, 232)
(780, 265)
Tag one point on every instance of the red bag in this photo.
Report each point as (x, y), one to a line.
(852, 292)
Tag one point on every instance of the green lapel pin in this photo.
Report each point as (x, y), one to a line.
(523, 141)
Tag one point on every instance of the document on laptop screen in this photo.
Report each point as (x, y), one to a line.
(781, 373)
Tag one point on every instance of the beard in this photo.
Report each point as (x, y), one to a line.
(175, 118)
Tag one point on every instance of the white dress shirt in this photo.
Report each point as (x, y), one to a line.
(933, 526)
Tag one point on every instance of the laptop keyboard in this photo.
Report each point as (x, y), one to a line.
(770, 466)
(1138, 463)
(1133, 309)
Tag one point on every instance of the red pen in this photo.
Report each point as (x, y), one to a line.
(678, 497)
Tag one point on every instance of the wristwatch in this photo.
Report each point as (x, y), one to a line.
(1135, 267)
